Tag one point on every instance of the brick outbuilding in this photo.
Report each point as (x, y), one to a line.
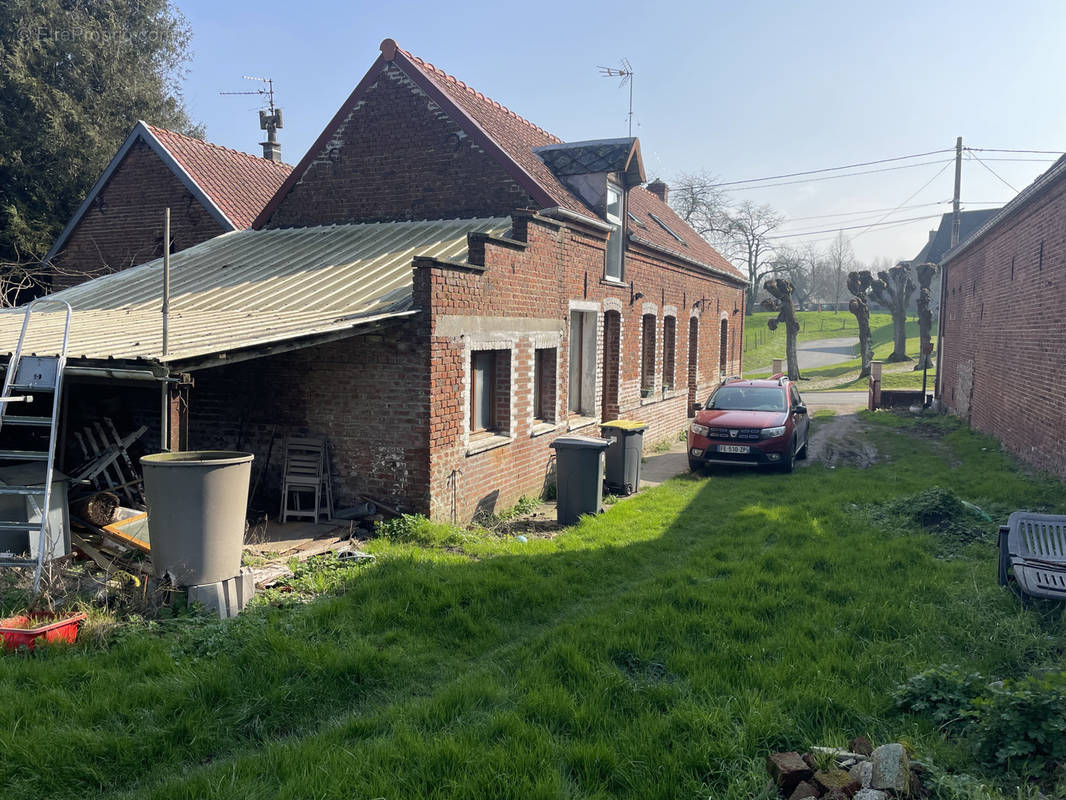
(209, 189)
(1001, 337)
(442, 288)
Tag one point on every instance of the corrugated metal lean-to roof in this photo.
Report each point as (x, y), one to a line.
(248, 289)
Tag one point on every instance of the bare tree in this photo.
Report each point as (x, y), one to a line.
(926, 274)
(841, 259)
(21, 280)
(780, 300)
(699, 202)
(893, 289)
(745, 239)
(859, 284)
(740, 233)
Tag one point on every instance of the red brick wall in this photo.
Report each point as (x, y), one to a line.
(1003, 341)
(396, 405)
(398, 156)
(499, 308)
(367, 394)
(124, 226)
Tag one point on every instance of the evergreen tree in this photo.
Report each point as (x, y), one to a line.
(75, 76)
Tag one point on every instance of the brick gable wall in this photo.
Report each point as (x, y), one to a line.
(1002, 337)
(398, 156)
(124, 227)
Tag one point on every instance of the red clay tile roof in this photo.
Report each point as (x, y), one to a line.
(239, 184)
(642, 204)
(518, 136)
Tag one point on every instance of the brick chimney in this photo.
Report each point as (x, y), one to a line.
(659, 189)
(270, 122)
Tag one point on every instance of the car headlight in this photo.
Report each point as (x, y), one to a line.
(700, 430)
(772, 433)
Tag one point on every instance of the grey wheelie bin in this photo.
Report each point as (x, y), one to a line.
(196, 509)
(624, 454)
(579, 476)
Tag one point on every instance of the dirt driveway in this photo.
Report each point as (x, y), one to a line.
(840, 441)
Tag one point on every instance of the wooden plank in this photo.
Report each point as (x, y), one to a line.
(135, 476)
(87, 549)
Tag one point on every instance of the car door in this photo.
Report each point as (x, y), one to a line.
(801, 421)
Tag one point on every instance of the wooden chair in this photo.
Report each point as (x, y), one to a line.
(1032, 551)
(306, 473)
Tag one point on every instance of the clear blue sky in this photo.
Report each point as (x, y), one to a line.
(740, 91)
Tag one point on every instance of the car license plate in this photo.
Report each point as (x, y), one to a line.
(733, 448)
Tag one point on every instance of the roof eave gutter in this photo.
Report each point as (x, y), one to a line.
(558, 212)
(721, 273)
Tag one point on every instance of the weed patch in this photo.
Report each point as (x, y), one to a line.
(955, 522)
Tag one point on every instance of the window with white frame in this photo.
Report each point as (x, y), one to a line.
(613, 267)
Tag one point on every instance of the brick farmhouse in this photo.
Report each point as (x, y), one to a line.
(441, 288)
(209, 190)
(1001, 339)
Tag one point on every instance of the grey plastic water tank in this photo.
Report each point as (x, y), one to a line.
(197, 502)
(579, 476)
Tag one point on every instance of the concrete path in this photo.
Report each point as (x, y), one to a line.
(659, 467)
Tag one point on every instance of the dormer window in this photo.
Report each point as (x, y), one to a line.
(599, 172)
(613, 268)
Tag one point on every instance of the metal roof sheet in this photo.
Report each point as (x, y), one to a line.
(247, 289)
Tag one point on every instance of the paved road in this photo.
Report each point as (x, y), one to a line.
(825, 352)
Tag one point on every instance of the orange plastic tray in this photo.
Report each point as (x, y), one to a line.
(50, 627)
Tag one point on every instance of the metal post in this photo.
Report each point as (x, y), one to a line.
(164, 418)
(955, 199)
(166, 276)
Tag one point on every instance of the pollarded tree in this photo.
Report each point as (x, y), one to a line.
(859, 285)
(780, 300)
(893, 290)
(926, 273)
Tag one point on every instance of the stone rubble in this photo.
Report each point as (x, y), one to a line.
(861, 772)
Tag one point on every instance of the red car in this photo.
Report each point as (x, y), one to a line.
(750, 423)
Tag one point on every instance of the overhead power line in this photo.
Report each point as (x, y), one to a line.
(910, 197)
(832, 169)
(1006, 150)
(1003, 180)
(853, 227)
(834, 177)
(869, 211)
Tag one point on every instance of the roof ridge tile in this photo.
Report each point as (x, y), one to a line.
(155, 129)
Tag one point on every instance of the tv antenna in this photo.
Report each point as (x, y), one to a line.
(269, 118)
(624, 71)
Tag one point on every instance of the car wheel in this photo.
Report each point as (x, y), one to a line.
(694, 465)
(789, 463)
(802, 454)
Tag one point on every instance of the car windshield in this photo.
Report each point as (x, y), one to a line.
(747, 398)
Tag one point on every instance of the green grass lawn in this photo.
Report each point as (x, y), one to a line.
(763, 345)
(659, 650)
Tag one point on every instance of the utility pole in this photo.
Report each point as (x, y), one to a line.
(955, 199)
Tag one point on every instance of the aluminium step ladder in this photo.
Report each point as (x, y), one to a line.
(27, 376)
